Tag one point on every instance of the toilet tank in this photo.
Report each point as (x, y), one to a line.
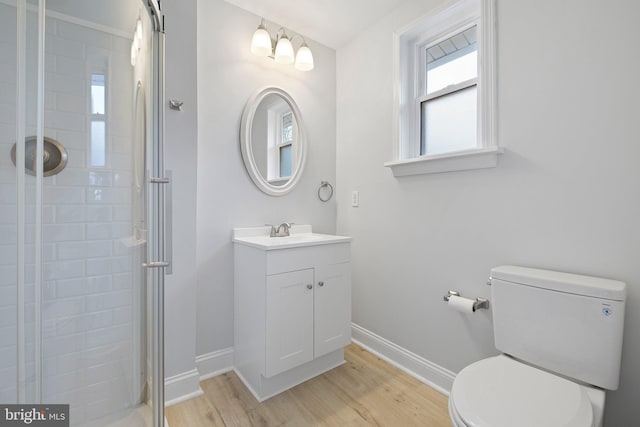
(566, 323)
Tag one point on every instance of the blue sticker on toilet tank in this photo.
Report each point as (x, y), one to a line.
(607, 311)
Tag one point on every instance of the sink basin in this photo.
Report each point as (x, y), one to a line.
(301, 235)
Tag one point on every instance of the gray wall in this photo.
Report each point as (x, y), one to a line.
(564, 195)
(227, 75)
(180, 151)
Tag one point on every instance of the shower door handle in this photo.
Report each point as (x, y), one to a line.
(166, 181)
(168, 209)
(155, 264)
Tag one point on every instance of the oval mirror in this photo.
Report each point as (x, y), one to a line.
(273, 141)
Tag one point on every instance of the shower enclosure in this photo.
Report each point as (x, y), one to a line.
(82, 218)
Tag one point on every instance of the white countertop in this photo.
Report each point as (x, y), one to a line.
(300, 236)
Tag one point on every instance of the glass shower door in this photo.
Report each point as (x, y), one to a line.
(8, 204)
(79, 313)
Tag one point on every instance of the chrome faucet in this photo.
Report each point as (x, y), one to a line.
(281, 231)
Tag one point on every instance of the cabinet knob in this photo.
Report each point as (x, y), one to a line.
(321, 284)
(309, 286)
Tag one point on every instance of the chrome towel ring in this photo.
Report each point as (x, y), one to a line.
(329, 187)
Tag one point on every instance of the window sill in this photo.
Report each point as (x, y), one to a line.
(477, 158)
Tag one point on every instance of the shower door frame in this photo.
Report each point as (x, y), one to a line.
(159, 252)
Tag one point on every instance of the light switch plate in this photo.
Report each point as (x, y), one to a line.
(355, 198)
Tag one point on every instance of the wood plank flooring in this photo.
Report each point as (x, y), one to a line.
(365, 391)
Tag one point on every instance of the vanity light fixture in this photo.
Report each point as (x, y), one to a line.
(262, 45)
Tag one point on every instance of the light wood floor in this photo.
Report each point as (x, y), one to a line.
(365, 391)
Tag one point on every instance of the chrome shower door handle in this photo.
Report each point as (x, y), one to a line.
(155, 264)
(168, 236)
(166, 183)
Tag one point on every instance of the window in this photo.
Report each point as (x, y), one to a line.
(448, 110)
(286, 145)
(445, 111)
(97, 128)
(281, 141)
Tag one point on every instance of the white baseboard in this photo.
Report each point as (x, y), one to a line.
(215, 363)
(423, 370)
(182, 387)
(186, 386)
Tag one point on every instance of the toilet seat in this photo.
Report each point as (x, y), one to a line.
(502, 392)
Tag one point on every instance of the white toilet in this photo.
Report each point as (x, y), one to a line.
(561, 339)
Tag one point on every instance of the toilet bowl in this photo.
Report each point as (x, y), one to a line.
(560, 335)
(503, 392)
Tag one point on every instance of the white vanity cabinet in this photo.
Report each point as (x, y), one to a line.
(308, 315)
(289, 325)
(332, 308)
(292, 307)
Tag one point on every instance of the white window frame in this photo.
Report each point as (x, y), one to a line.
(409, 61)
(422, 80)
(275, 116)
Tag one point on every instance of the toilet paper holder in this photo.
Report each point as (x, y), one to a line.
(478, 303)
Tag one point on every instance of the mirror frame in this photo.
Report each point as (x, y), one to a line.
(247, 151)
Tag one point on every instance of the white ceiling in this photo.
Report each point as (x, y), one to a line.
(330, 22)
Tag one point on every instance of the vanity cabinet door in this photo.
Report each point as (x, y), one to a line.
(332, 308)
(289, 327)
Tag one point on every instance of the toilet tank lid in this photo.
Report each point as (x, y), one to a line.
(563, 282)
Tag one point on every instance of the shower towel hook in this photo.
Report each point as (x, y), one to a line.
(174, 104)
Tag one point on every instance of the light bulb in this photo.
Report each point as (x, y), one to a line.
(284, 50)
(134, 54)
(139, 32)
(261, 42)
(304, 58)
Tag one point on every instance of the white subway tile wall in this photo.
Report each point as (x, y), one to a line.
(8, 217)
(91, 280)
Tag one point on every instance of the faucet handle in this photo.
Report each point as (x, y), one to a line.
(273, 230)
(283, 229)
